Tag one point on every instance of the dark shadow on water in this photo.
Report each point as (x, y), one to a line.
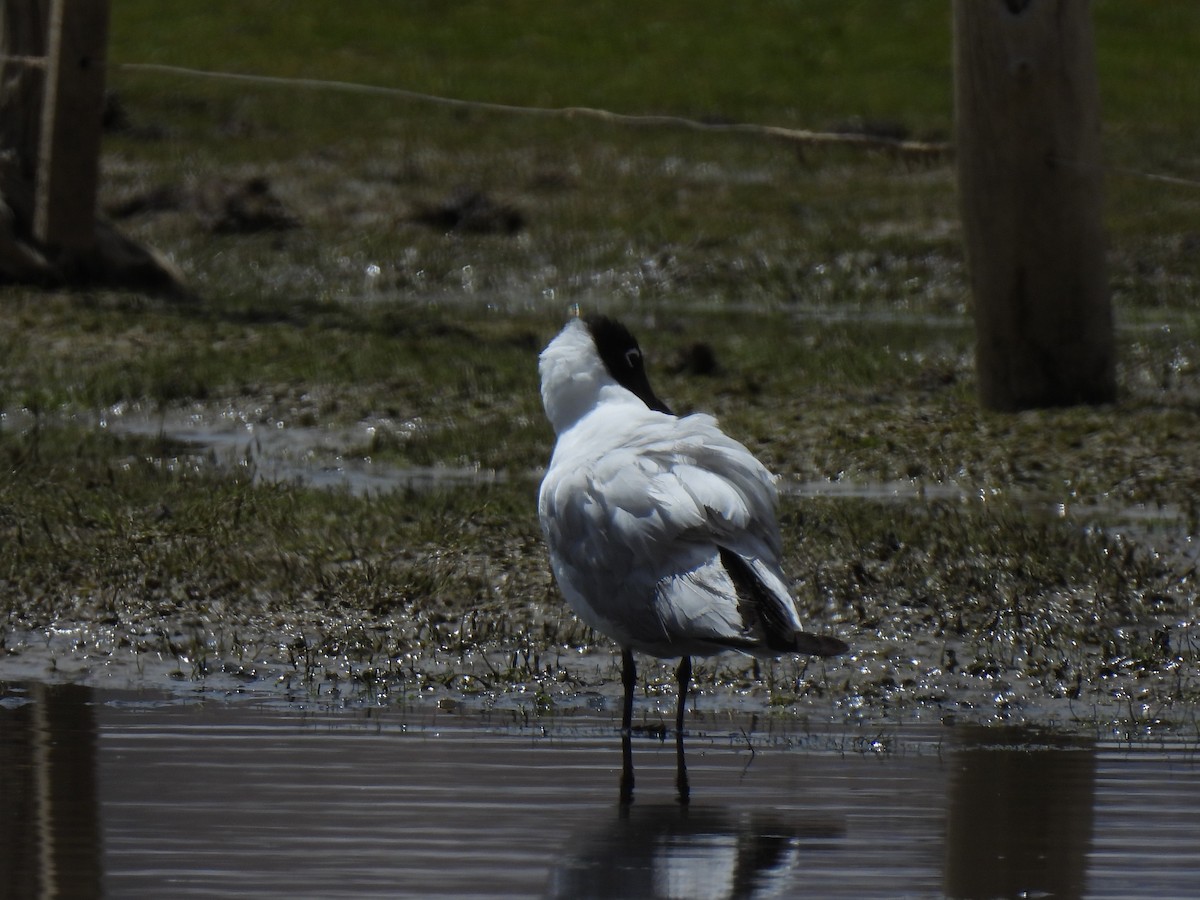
(49, 812)
(687, 851)
(1019, 817)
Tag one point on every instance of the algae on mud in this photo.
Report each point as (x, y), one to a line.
(134, 555)
(825, 287)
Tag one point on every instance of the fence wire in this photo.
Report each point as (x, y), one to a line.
(792, 135)
(908, 148)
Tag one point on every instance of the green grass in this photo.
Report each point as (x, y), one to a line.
(390, 596)
(598, 195)
(777, 60)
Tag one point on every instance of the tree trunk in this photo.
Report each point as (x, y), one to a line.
(1030, 188)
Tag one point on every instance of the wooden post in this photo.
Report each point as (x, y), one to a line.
(1027, 110)
(69, 154)
(23, 27)
(52, 56)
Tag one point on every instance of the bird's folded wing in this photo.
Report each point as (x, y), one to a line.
(689, 481)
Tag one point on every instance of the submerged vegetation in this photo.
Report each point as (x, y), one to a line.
(381, 273)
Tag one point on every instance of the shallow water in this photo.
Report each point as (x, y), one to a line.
(273, 451)
(129, 795)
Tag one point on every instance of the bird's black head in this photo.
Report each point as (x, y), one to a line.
(621, 355)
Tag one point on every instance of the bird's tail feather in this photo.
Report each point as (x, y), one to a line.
(766, 612)
(819, 644)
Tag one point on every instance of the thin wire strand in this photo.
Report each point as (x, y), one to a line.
(1150, 176)
(793, 135)
(928, 149)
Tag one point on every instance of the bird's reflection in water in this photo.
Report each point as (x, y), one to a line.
(688, 851)
(682, 786)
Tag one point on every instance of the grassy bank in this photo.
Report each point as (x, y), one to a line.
(1036, 567)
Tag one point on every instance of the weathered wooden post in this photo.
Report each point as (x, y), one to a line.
(22, 83)
(69, 158)
(52, 55)
(1027, 130)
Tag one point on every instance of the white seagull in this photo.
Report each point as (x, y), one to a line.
(662, 529)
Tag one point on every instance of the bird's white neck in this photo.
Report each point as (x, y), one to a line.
(572, 375)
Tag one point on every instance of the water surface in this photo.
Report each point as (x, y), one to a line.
(129, 795)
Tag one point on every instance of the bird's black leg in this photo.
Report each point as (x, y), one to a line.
(629, 680)
(683, 676)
